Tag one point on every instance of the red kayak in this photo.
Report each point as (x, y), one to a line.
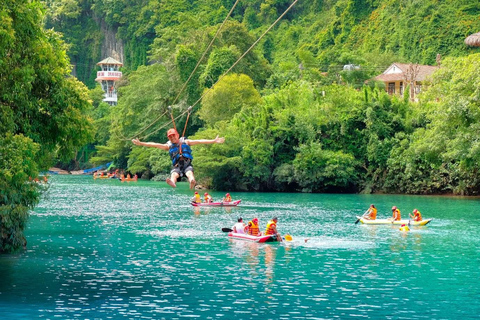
(260, 239)
(217, 204)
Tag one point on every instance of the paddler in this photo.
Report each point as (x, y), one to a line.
(227, 198)
(196, 198)
(396, 216)
(253, 228)
(239, 227)
(180, 153)
(208, 198)
(417, 216)
(272, 229)
(371, 213)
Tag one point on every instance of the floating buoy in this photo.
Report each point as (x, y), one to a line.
(404, 227)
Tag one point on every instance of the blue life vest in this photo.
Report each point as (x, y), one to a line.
(174, 151)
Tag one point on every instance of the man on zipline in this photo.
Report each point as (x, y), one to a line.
(180, 153)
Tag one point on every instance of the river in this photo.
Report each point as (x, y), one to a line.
(139, 250)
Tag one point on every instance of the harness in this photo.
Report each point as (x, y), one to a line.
(179, 150)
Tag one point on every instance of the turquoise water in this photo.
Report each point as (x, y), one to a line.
(112, 250)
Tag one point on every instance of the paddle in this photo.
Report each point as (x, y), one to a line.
(227, 230)
(358, 220)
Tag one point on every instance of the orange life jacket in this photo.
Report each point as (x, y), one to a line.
(253, 229)
(269, 229)
(373, 214)
(417, 216)
(396, 215)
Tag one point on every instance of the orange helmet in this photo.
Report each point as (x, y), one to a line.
(172, 132)
(415, 210)
(206, 194)
(227, 194)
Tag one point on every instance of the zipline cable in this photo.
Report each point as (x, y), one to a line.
(205, 52)
(186, 122)
(245, 53)
(195, 69)
(236, 62)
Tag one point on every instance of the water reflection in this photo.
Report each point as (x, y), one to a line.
(253, 254)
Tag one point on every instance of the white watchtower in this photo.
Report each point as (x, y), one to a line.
(107, 78)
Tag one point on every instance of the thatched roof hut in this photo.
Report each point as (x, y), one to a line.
(473, 40)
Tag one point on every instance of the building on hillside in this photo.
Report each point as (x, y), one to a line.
(399, 75)
(107, 77)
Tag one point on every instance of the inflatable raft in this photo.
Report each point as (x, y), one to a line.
(247, 237)
(399, 222)
(217, 204)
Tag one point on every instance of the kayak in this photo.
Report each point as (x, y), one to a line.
(217, 204)
(260, 239)
(399, 222)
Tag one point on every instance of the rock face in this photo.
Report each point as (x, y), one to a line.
(111, 46)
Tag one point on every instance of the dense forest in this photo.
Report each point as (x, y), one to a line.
(292, 117)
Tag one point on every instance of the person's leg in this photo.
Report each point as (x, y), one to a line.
(172, 181)
(191, 177)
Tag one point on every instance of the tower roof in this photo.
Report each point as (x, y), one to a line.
(110, 60)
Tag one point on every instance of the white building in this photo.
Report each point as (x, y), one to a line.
(107, 77)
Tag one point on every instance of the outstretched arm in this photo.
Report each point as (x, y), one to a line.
(162, 146)
(203, 141)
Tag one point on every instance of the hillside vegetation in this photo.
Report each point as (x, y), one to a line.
(292, 118)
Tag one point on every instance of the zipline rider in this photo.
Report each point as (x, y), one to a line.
(180, 153)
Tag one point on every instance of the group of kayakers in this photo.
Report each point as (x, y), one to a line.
(252, 228)
(208, 198)
(371, 214)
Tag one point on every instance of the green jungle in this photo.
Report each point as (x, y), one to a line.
(293, 119)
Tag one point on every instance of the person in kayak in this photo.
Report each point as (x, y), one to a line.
(417, 216)
(208, 198)
(396, 216)
(371, 213)
(227, 198)
(272, 229)
(196, 198)
(239, 227)
(180, 153)
(253, 228)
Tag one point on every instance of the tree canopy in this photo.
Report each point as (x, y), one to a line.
(43, 112)
(294, 118)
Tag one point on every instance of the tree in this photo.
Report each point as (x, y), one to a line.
(43, 112)
(219, 61)
(323, 170)
(228, 97)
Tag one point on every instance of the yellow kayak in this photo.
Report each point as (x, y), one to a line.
(399, 222)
